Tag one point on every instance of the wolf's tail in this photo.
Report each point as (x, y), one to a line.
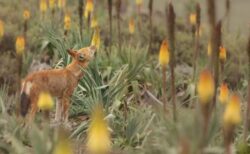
(25, 99)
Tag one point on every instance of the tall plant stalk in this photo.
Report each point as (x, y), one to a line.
(150, 7)
(110, 3)
(217, 44)
(197, 38)
(246, 123)
(215, 31)
(118, 15)
(80, 11)
(171, 40)
(164, 87)
(227, 15)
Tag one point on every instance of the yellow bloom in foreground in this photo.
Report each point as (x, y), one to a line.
(94, 22)
(232, 115)
(43, 6)
(20, 45)
(192, 18)
(96, 38)
(88, 8)
(98, 141)
(209, 48)
(52, 4)
(224, 93)
(205, 87)
(164, 53)
(26, 14)
(45, 101)
(63, 145)
(1, 29)
(131, 26)
(222, 53)
(61, 4)
(67, 22)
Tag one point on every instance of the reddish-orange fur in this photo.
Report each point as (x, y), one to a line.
(59, 83)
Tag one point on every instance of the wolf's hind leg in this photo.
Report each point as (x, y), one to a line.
(58, 114)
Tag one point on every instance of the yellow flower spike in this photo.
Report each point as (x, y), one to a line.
(224, 93)
(1, 29)
(63, 145)
(96, 38)
(232, 115)
(67, 22)
(26, 15)
(192, 18)
(138, 2)
(94, 22)
(164, 53)
(52, 4)
(88, 8)
(98, 136)
(20, 45)
(205, 87)
(45, 101)
(222, 53)
(131, 25)
(61, 4)
(209, 48)
(43, 6)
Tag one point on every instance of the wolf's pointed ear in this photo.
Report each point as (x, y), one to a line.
(72, 52)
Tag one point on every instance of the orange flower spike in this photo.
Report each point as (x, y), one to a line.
(88, 8)
(232, 114)
(52, 4)
(20, 45)
(205, 87)
(222, 53)
(131, 26)
(1, 29)
(192, 18)
(43, 6)
(224, 93)
(164, 53)
(94, 22)
(67, 22)
(61, 4)
(209, 48)
(138, 2)
(26, 15)
(98, 135)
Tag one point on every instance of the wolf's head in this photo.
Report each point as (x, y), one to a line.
(83, 56)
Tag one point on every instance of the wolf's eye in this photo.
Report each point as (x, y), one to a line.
(81, 57)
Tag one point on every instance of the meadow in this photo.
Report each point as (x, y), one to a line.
(167, 77)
